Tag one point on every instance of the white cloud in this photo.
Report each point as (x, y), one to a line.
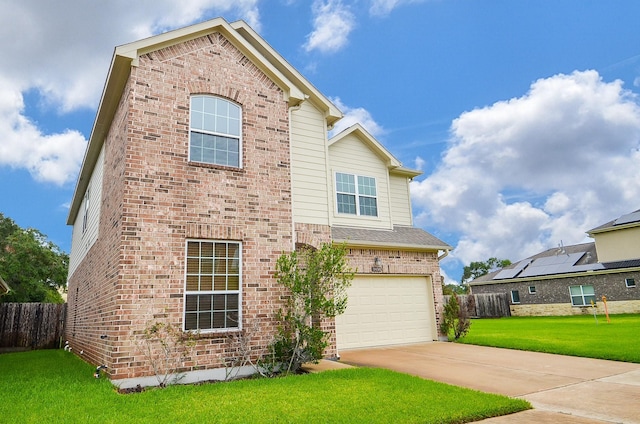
(49, 158)
(525, 174)
(384, 7)
(355, 116)
(62, 52)
(332, 24)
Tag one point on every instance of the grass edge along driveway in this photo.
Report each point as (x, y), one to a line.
(575, 335)
(51, 386)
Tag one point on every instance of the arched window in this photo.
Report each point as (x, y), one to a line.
(216, 131)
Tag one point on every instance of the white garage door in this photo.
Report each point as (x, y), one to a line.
(385, 310)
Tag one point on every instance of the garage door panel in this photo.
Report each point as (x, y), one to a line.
(386, 311)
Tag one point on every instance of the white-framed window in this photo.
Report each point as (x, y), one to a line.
(582, 295)
(630, 282)
(356, 194)
(85, 212)
(532, 289)
(212, 285)
(215, 135)
(515, 296)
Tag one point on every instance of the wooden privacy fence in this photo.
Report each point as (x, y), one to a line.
(32, 325)
(491, 305)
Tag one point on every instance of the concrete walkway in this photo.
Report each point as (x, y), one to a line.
(562, 389)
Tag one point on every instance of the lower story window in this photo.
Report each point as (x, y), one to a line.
(582, 295)
(212, 286)
(630, 282)
(515, 296)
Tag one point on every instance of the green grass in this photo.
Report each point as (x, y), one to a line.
(53, 386)
(568, 335)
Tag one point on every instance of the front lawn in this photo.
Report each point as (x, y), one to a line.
(578, 335)
(53, 386)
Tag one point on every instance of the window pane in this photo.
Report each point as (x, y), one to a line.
(219, 302)
(232, 319)
(191, 322)
(233, 266)
(588, 290)
(345, 183)
(221, 266)
(206, 283)
(368, 206)
(575, 291)
(232, 302)
(192, 282)
(346, 203)
(204, 302)
(589, 299)
(233, 282)
(192, 303)
(221, 250)
(193, 249)
(218, 320)
(193, 266)
(220, 282)
(207, 250)
(366, 186)
(206, 266)
(204, 320)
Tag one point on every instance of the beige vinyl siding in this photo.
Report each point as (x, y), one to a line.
(83, 238)
(400, 200)
(352, 156)
(309, 166)
(618, 245)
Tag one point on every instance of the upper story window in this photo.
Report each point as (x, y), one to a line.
(215, 133)
(356, 194)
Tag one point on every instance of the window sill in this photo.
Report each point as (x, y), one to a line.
(214, 166)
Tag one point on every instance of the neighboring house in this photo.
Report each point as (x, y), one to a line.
(566, 280)
(4, 287)
(208, 159)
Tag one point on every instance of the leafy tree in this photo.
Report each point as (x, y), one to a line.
(477, 269)
(317, 280)
(33, 267)
(449, 289)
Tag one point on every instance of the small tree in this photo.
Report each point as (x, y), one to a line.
(455, 318)
(317, 280)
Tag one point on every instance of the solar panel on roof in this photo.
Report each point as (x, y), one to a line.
(512, 272)
(628, 218)
(558, 264)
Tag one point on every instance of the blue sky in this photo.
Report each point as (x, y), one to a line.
(523, 115)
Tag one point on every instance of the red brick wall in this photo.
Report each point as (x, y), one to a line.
(154, 199)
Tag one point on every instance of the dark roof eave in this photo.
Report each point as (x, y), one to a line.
(402, 246)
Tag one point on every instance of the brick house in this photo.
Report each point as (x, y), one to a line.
(209, 157)
(565, 280)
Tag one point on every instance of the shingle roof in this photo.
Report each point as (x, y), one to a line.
(630, 218)
(558, 260)
(399, 237)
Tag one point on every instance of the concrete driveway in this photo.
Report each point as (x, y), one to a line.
(562, 389)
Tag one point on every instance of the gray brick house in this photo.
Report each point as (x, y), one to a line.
(566, 280)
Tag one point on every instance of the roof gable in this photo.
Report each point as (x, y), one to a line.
(295, 87)
(358, 131)
(625, 221)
